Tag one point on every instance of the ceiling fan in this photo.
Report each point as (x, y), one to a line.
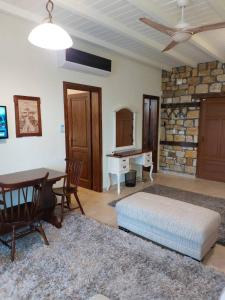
(183, 31)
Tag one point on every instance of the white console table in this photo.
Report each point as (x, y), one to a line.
(119, 163)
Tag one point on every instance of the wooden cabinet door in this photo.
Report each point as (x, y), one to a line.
(80, 139)
(211, 150)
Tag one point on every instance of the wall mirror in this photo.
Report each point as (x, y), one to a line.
(124, 129)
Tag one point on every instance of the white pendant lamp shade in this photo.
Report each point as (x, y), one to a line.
(50, 36)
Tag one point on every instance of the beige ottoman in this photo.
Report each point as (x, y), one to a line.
(184, 227)
(98, 297)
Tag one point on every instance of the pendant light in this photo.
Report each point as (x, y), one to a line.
(48, 35)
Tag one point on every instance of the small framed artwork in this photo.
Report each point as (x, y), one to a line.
(28, 116)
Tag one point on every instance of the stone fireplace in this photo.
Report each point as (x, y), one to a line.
(180, 110)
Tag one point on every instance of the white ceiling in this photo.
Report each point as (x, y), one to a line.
(115, 24)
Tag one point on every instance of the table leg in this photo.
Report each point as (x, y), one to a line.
(150, 173)
(141, 170)
(109, 185)
(52, 219)
(118, 184)
(49, 202)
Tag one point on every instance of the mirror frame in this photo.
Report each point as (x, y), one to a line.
(129, 147)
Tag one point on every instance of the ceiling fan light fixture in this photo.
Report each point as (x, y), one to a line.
(49, 35)
(182, 25)
(182, 3)
(181, 36)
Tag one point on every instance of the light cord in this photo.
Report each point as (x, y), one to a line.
(49, 8)
(182, 14)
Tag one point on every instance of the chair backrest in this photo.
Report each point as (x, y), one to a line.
(20, 202)
(73, 170)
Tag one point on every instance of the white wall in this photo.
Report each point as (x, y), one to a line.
(30, 71)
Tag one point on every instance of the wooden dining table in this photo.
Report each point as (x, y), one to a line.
(49, 200)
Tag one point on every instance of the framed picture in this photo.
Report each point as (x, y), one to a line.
(28, 116)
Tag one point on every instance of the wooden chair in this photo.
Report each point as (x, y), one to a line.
(20, 208)
(70, 186)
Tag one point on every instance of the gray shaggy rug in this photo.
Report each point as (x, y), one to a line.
(86, 258)
(214, 203)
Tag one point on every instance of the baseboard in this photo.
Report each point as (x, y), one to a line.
(177, 174)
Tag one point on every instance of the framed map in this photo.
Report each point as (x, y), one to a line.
(28, 116)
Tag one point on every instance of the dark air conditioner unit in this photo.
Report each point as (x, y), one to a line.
(74, 59)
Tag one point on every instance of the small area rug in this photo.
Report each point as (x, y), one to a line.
(85, 258)
(214, 203)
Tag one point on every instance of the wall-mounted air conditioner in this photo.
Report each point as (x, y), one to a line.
(74, 59)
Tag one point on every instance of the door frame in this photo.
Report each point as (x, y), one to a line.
(201, 97)
(155, 164)
(87, 88)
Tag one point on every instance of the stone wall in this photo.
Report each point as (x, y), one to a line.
(180, 112)
(179, 125)
(178, 159)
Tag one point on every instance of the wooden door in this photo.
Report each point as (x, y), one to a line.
(150, 127)
(96, 117)
(83, 130)
(211, 150)
(80, 138)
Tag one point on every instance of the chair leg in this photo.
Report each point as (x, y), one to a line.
(42, 233)
(79, 204)
(13, 245)
(62, 207)
(68, 202)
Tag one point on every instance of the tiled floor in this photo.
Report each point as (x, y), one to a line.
(96, 204)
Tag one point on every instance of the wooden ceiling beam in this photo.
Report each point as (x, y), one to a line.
(98, 42)
(208, 48)
(219, 7)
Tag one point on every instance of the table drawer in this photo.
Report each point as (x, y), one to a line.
(124, 164)
(147, 159)
(148, 155)
(124, 168)
(147, 162)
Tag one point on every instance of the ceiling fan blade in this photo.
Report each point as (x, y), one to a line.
(170, 46)
(208, 27)
(159, 27)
